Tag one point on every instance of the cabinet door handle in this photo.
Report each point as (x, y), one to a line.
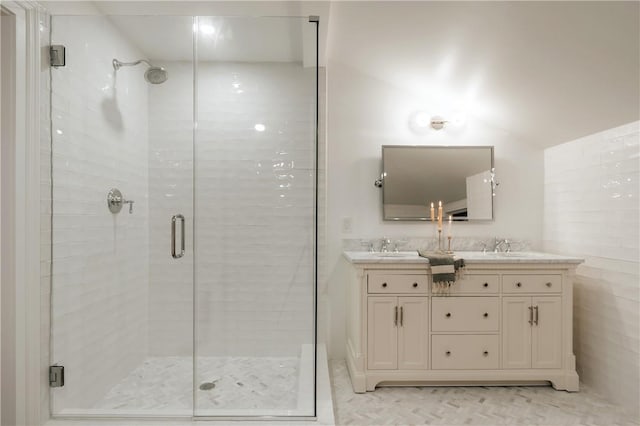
(401, 315)
(530, 315)
(535, 321)
(395, 320)
(485, 285)
(486, 315)
(448, 353)
(485, 353)
(448, 315)
(415, 285)
(384, 284)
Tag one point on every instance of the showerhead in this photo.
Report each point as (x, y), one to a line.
(156, 75)
(153, 74)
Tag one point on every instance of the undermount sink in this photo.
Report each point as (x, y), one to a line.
(395, 254)
(511, 254)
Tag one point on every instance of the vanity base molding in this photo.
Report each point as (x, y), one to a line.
(501, 325)
(557, 378)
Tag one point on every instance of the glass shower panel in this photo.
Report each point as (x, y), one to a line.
(121, 305)
(255, 151)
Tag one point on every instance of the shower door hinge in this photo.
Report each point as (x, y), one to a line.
(56, 376)
(57, 55)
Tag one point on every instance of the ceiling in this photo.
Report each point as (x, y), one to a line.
(544, 72)
(170, 38)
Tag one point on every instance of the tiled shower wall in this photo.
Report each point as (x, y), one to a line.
(591, 210)
(254, 208)
(100, 260)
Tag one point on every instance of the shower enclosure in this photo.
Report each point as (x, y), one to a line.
(184, 188)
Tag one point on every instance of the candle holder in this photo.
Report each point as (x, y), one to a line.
(440, 240)
(449, 251)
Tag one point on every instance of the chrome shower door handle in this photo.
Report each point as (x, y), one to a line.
(174, 219)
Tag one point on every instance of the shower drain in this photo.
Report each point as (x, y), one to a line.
(208, 385)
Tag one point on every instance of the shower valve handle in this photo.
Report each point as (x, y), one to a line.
(130, 202)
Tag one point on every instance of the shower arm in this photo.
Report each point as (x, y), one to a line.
(117, 64)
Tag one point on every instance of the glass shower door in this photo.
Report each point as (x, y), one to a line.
(122, 179)
(183, 157)
(255, 152)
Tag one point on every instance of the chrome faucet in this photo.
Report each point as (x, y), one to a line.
(497, 247)
(384, 246)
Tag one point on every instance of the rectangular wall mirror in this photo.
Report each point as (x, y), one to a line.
(416, 176)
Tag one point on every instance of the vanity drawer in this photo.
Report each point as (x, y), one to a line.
(525, 283)
(473, 283)
(397, 283)
(465, 314)
(465, 352)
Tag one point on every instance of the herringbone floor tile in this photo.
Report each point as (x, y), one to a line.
(510, 405)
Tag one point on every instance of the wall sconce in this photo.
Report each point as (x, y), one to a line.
(437, 122)
(421, 121)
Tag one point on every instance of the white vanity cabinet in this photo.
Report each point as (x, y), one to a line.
(507, 321)
(397, 333)
(532, 332)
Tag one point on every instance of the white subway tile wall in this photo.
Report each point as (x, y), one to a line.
(254, 208)
(100, 260)
(591, 205)
(171, 193)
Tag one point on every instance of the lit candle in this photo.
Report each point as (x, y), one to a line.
(450, 224)
(432, 213)
(440, 215)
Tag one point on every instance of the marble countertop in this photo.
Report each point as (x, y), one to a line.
(470, 257)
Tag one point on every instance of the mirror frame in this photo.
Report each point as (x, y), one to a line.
(425, 219)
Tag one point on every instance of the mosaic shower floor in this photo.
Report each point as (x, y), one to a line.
(232, 383)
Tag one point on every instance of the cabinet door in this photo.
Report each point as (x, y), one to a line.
(382, 333)
(413, 330)
(516, 332)
(546, 335)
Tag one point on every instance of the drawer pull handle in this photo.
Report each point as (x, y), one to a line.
(549, 284)
(415, 285)
(448, 315)
(448, 353)
(485, 353)
(518, 284)
(486, 315)
(485, 285)
(384, 284)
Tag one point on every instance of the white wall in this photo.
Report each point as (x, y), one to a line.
(100, 260)
(254, 208)
(367, 108)
(591, 192)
